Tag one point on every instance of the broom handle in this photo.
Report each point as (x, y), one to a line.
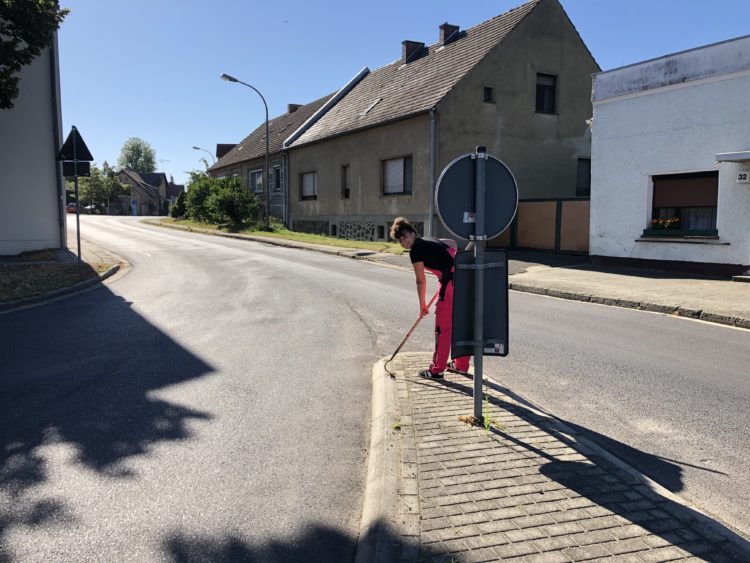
(419, 318)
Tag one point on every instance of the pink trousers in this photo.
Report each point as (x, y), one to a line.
(443, 329)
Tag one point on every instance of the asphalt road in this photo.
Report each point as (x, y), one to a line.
(213, 403)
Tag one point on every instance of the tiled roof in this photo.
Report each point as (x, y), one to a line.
(136, 177)
(396, 91)
(254, 145)
(153, 178)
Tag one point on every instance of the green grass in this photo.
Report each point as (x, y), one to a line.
(282, 233)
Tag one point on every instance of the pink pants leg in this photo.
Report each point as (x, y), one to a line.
(443, 329)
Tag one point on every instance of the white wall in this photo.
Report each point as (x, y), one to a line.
(30, 190)
(664, 130)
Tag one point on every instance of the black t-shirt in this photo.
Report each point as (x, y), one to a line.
(434, 254)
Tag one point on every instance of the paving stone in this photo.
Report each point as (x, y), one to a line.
(526, 534)
(556, 543)
(586, 552)
(626, 546)
(515, 550)
(479, 555)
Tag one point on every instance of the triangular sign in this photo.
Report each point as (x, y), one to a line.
(81, 150)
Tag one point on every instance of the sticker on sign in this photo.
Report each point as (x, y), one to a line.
(470, 217)
(496, 349)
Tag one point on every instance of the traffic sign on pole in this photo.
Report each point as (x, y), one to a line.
(477, 199)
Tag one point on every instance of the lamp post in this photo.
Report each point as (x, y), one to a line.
(209, 154)
(265, 167)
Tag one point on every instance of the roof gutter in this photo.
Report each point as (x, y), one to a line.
(325, 107)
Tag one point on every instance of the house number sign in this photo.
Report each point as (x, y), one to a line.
(743, 177)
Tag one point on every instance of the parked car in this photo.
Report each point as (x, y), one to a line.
(70, 208)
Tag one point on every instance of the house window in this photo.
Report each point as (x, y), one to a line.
(546, 93)
(308, 185)
(489, 95)
(255, 181)
(276, 182)
(334, 230)
(381, 232)
(345, 181)
(397, 176)
(685, 203)
(583, 178)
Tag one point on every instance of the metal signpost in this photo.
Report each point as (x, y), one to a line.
(76, 158)
(478, 214)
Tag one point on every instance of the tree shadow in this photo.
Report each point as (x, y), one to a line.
(315, 544)
(82, 372)
(620, 492)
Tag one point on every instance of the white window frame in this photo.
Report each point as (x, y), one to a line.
(256, 173)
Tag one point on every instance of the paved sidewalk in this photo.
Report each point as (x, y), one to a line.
(528, 488)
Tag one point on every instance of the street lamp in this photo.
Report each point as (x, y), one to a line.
(209, 154)
(265, 168)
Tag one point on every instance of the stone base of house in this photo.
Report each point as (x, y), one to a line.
(700, 268)
(311, 227)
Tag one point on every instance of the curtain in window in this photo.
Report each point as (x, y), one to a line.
(394, 176)
(308, 184)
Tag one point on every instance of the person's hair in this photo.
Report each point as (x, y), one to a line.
(400, 226)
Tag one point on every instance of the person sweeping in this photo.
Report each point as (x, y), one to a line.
(427, 253)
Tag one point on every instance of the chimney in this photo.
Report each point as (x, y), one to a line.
(410, 50)
(448, 33)
(291, 108)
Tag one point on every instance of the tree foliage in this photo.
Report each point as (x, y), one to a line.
(99, 188)
(219, 200)
(26, 28)
(137, 155)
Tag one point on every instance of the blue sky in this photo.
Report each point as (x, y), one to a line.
(150, 68)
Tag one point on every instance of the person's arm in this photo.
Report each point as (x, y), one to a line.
(421, 287)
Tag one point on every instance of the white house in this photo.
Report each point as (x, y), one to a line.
(32, 196)
(670, 150)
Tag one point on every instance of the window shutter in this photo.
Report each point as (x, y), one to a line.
(308, 184)
(394, 176)
(686, 190)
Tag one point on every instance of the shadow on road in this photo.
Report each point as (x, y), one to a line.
(82, 372)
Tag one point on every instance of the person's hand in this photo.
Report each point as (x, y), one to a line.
(424, 310)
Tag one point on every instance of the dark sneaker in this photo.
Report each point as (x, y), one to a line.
(429, 375)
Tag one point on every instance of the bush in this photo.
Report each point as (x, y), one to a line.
(214, 200)
(178, 208)
(232, 202)
(196, 201)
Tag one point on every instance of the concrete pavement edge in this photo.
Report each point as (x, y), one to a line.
(383, 469)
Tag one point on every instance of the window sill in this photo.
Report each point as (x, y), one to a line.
(683, 239)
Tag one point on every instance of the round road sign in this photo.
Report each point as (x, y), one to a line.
(455, 196)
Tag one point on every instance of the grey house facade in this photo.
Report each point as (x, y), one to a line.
(247, 158)
(519, 84)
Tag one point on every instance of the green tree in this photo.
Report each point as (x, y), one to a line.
(231, 202)
(99, 188)
(137, 155)
(26, 28)
(196, 201)
(178, 209)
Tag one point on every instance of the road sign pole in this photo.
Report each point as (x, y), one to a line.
(78, 203)
(479, 242)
